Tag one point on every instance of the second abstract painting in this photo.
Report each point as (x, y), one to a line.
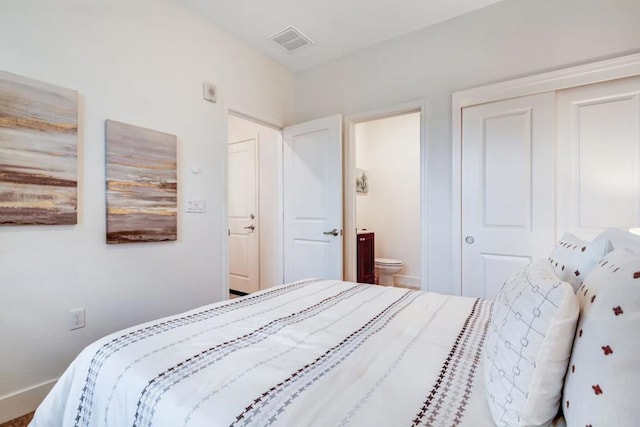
(141, 184)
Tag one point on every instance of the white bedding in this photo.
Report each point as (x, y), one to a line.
(323, 353)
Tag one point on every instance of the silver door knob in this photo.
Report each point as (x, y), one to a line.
(469, 240)
(333, 232)
(251, 227)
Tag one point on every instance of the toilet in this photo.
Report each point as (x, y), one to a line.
(386, 268)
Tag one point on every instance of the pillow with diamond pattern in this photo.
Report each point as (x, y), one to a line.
(602, 387)
(574, 258)
(528, 346)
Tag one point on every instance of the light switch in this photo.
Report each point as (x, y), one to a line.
(196, 206)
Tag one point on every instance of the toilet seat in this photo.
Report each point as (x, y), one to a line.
(387, 262)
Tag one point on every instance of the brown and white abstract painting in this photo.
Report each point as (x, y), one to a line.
(141, 184)
(38, 152)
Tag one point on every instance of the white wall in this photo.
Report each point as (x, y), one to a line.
(269, 146)
(389, 149)
(141, 62)
(509, 39)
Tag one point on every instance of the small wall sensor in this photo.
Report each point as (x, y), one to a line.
(209, 92)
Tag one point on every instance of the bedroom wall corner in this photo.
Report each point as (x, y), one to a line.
(141, 62)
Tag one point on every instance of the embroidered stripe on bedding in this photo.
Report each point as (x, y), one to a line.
(252, 314)
(83, 416)
(446, 402)
(163, 382)
(396, 363)
(271, 359)
(274, 401)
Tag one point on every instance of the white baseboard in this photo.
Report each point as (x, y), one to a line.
(24, 401)
(409, 281)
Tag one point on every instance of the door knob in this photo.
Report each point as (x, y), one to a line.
(251, 227)
(469, 240)
(333, 232)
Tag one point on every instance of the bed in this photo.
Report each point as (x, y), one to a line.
(314, 352)
(556, 338)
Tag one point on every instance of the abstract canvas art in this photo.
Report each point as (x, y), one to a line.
(38, 152)
(141, 184)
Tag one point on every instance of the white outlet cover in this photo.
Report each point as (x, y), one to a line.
(77, 319)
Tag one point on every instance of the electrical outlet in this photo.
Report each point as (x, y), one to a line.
(77, 319)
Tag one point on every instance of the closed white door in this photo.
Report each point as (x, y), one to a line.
(313, 199)
(599, 157)
(507, 189)
(243, 217)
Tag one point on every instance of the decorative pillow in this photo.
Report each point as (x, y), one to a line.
(602, 387)
(573, 258)
(528, 346)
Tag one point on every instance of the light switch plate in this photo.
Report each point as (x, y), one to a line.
(196, 206)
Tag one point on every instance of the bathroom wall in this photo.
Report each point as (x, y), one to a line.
(390, 150)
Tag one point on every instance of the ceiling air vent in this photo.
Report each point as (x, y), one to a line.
(290, 38)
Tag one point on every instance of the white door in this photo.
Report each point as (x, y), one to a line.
(243, 217)
(313, 199)
(507, 189)
(599, 157)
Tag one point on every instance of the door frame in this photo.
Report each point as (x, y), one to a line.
(349, 188)
(238, 111)
(565, 78)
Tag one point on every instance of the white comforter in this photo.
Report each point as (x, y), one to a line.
(322, 353)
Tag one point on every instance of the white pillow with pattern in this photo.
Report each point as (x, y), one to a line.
(602, 387)
(573, 258)
(528, 346)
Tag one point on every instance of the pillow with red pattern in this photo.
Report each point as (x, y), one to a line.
(573, 258)
(602, 385)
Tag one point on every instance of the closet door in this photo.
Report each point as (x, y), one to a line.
(599, 157)
(507, 189)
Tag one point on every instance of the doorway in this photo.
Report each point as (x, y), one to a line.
(254, 190)
(284, 213)
(388, 147)
(388, 196)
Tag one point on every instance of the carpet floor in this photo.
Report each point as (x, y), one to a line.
(23, 421)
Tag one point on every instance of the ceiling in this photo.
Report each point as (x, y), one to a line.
(337, 27)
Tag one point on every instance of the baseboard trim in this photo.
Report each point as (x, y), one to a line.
(24, 401)
(409, 281)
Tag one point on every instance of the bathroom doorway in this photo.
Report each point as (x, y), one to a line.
(385, 159)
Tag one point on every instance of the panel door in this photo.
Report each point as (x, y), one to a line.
(507, 189)
(599, 157)
(313, 199)
(243, 217)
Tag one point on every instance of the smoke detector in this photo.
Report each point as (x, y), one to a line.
(290, 39)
